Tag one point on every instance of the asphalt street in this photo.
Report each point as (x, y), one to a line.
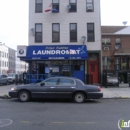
(101, 114)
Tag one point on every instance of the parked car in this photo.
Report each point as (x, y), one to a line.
(12, 77)
(112, 79)
(15, 78)
(4, 79)
(57, 87)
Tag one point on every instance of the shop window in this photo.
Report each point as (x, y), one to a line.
(55, 32)
(73, 6)
(90, 32)
(38, 32)
(73, 32)
(55, 6)
(77, 67)
(38, 6)
(90, 6)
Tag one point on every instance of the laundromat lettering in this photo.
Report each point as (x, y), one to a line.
(51, 52)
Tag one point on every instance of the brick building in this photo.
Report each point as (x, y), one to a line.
(116, 50)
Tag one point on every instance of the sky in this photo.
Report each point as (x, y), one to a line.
(14, 19)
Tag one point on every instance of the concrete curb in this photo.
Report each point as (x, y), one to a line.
(5, 96)
(8, 97)
(116, 98)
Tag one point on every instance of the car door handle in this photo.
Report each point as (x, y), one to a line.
(52, 87)
(72, 87)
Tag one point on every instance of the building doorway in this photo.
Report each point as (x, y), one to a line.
(93, 69)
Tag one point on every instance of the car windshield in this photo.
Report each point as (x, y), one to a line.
(10, 75)
(110, 75)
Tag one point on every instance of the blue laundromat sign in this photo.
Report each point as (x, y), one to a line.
(61, 52)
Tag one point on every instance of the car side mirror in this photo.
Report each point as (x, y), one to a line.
(43, 84)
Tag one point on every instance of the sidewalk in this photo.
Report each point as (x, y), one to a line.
(123, 91)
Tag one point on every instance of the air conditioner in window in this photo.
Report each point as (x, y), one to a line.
(89, 7)
(106, 48)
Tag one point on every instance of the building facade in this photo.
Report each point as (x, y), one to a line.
(64, 38)
(7, 60)
(116, 50)
(21, 66)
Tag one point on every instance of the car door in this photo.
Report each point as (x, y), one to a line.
(46, 88)
(65, 88)
(3, 79)
(0, 79)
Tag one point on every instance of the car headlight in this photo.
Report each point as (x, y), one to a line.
(14, 89)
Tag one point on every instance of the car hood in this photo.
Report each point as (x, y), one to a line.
(10, 77)
(112, 78)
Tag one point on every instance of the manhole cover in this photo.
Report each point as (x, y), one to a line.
(5, 122)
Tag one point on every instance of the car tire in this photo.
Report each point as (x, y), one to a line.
(79, 97)
(7, 83)
(13, 82)
(24, 96)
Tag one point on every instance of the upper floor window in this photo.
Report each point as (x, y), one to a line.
(90, 32)
(90, 6)
(118, 43)
(118, 40)
(73, 6)
(106, 41)
(73, 32)
(38, 32)
(55, 32)
(2, 54)
(38, 6)
(55, 6)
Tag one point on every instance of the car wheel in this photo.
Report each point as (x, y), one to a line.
(13, 82)
(24, 96)
(79, 97)
(7, 83)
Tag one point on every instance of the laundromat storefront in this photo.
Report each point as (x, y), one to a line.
(57, 60)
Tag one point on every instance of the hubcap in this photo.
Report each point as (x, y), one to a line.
(24, 96)
(79, 98)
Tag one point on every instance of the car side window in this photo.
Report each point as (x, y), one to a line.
(52, 81)
(65, 81)
(3, 76)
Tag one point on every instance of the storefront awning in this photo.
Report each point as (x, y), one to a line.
(57, 52)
